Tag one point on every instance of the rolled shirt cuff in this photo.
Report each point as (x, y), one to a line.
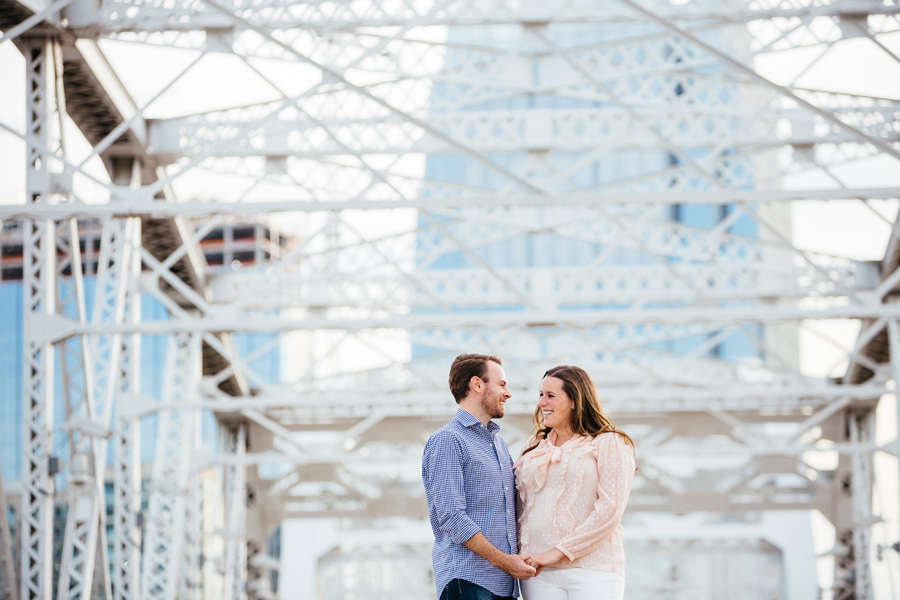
(461, 528)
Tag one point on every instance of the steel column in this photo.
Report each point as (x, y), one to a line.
(861, 426)
(165, 526)
(126, 439)
(233, 438)
(85, 519)
(39, 274)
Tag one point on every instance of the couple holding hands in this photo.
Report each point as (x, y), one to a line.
(550, 521)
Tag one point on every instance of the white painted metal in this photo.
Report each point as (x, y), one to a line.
(126, 440)
(39, 274)
(212, 207)
(164, 534)
(499, 12)
(861, 427)
(233, 438)
(85, 542)
(83, 532)
(191, 585)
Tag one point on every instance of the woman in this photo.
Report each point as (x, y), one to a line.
(573, 481)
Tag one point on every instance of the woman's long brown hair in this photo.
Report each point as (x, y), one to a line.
(588, 417)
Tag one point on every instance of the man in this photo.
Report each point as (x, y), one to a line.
(470, 486)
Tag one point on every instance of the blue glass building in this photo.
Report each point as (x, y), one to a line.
(617, 170)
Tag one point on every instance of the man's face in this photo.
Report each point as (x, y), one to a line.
(495, 392)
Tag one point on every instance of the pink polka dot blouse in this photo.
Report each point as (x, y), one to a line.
(572, 498)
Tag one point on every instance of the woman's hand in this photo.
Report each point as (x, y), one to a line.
(546, 559)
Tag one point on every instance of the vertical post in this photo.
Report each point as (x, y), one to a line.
(191, 576)
(190, 587)
(7, 572)
(894, 345)
(84, 534)
(39, 275)
(165, 526)
(118, 373)
(127, 450)
(861, 426)
(234, 444)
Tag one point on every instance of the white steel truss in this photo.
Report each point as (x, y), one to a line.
(165, 540)
(559, 139)
(39, 274)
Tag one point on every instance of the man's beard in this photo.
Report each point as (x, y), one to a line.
(493, 407)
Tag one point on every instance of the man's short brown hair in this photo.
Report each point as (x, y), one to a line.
(464, 368)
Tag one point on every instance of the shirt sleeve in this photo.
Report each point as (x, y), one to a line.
(615, 467)
(442, 474)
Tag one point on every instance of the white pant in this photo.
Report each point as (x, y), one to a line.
(574, 584)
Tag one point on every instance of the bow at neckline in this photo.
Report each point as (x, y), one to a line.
(547, 453)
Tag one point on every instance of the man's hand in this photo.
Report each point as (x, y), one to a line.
(512, 564)
(515, 566)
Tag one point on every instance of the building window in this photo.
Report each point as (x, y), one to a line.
(244, 233)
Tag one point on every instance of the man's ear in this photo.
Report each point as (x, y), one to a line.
(476, 383)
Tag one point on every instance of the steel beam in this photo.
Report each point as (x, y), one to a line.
(861, 427)
(194, 209)
(63, 329)
(625, 401)
(465, 13)
(165, 525)
(505, 131)
(233, 436)
(126, 436)
(35, 19)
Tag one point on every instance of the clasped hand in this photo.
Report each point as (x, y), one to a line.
(526, 566)
(545, 559)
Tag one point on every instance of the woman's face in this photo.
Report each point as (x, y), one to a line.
(555, 405)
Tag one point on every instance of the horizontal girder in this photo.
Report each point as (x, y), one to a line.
(472, 200)
(510, 131)
(115, 15)
(223, 319)
(292, 408)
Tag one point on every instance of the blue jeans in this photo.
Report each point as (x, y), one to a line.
(460, 589)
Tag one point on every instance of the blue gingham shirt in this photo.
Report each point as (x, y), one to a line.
(470, 485)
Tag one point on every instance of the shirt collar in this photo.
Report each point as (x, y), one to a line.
(468, 420)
